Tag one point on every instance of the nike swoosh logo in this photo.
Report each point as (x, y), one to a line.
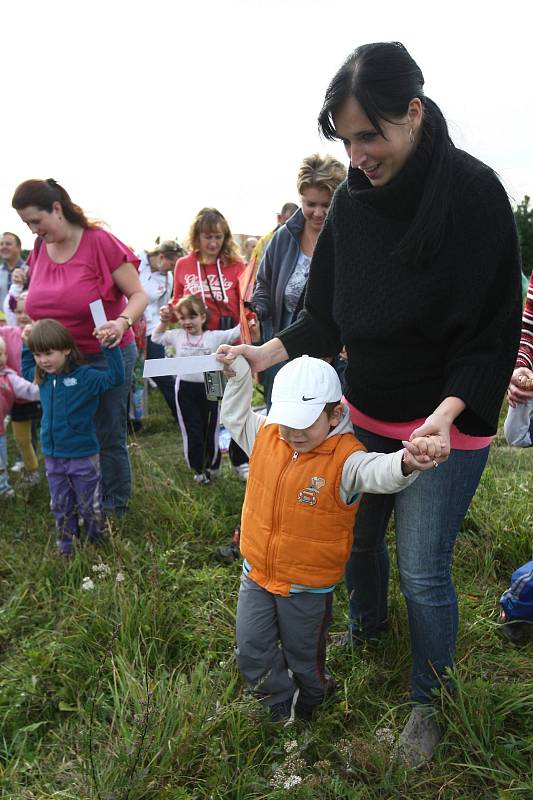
(304, 398)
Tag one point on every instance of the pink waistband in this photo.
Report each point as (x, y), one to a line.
(403, 430)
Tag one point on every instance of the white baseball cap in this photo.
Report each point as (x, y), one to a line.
(301, 390)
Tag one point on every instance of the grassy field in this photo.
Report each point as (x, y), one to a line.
(130, 691)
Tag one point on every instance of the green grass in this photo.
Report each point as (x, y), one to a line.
(130, 691)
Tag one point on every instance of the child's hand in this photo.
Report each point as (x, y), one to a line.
(18, 276)
(166, 314)
(26, 333)
(521, 387)
(424, 452)
(110, 333)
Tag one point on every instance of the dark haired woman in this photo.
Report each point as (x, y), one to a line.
(417, 272)
(74, 261)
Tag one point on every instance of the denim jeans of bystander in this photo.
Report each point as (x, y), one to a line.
(4, 480)
(428, 515)
(111, 427)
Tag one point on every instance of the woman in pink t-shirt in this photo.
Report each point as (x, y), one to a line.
(73, 263)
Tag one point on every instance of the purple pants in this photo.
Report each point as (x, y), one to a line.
(75, 491)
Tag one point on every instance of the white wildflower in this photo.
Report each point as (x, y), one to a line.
(290, 746)
(102, 570)
(291, 781)
(385, 736)
(120, 577)
(87, 584)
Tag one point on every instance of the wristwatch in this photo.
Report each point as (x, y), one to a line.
(128, 319)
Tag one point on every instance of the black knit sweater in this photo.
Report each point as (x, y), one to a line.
(417, 333)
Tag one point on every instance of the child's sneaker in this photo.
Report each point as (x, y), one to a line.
(18, 466)
(31, 478)
(201, 478)
(229, 553)
(242, 471)
(282, 712)
(8, 494)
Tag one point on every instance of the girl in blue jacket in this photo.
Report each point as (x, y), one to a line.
(69, 392)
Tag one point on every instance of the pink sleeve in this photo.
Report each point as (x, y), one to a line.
(112, 252)
(23, 389)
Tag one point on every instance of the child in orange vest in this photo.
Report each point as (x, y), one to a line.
(307, 473)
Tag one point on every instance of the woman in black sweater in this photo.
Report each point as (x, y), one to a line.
(417, 274)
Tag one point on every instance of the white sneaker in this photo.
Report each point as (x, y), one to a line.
(242, 471)
(18, 466)
(200, 477)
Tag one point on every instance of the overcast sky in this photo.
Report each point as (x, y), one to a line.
(147, 111)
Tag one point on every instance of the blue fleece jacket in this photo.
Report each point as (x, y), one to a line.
(277, 265)
(69, 401)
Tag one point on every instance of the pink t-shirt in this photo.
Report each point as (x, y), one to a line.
(63, 291)
(402, 430)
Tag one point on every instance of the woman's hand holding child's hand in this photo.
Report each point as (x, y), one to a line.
(423, 453)
(521, 387)
(111, 332)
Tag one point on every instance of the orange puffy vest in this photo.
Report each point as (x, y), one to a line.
(295, 530)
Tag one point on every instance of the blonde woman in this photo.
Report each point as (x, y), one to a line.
(284, 268)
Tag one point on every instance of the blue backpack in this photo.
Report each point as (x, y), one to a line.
(517, 601)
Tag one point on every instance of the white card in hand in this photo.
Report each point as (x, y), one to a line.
(97, 310)
(184, 365)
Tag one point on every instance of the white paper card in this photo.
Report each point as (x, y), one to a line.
(185, 365)
(97, 310)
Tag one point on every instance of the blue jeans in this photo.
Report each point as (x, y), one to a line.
(111, 427)
(428, 515)
(4, 480)
(166, 383)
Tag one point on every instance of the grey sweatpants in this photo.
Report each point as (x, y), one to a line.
(281, 643)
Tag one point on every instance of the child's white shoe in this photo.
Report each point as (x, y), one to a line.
(242, 471)
(201, 478)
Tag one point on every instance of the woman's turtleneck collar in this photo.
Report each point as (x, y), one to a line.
(400, 197)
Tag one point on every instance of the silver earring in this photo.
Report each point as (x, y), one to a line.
(411, 136)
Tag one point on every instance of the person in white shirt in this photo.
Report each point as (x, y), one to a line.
(156, 273)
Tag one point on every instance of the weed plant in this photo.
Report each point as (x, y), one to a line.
(129, 690)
